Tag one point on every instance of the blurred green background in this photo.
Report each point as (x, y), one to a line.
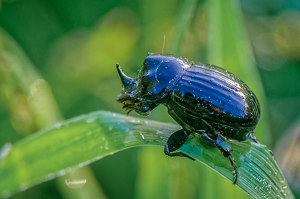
(71, 48)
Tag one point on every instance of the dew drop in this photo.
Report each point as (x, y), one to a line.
(75, 183)
(141, 135)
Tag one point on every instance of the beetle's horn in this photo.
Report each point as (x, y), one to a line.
(127, 81)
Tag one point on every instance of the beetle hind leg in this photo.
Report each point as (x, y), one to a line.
(225, 151)
(175, 141)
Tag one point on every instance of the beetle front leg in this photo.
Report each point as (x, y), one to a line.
(225, 151)
(175, 141)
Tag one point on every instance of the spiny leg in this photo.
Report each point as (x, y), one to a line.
(175, 141)
(253, 138)
(225, 151)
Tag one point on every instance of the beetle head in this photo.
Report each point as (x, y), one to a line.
(155, 79)
(131, 96)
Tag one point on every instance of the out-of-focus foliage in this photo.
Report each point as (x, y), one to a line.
(21, 79)
(74, 45)
(287, 151)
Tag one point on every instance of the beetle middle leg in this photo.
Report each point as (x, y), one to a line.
(175, 141)
(225, 151)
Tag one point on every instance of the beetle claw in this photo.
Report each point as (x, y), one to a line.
(129, 110)
(225, 151)
(236, 174)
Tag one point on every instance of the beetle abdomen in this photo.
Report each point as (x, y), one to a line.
(217, 96)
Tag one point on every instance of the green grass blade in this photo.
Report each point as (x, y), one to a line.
(184, 18)
(82, 140)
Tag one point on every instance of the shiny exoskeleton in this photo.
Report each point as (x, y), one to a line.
(202, 98)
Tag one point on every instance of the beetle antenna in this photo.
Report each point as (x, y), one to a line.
(163, 47)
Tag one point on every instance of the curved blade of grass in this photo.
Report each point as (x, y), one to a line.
(84, 139)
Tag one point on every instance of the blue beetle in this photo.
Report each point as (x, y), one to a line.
(202, 98)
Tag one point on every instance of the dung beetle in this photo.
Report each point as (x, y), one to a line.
(202, 98)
